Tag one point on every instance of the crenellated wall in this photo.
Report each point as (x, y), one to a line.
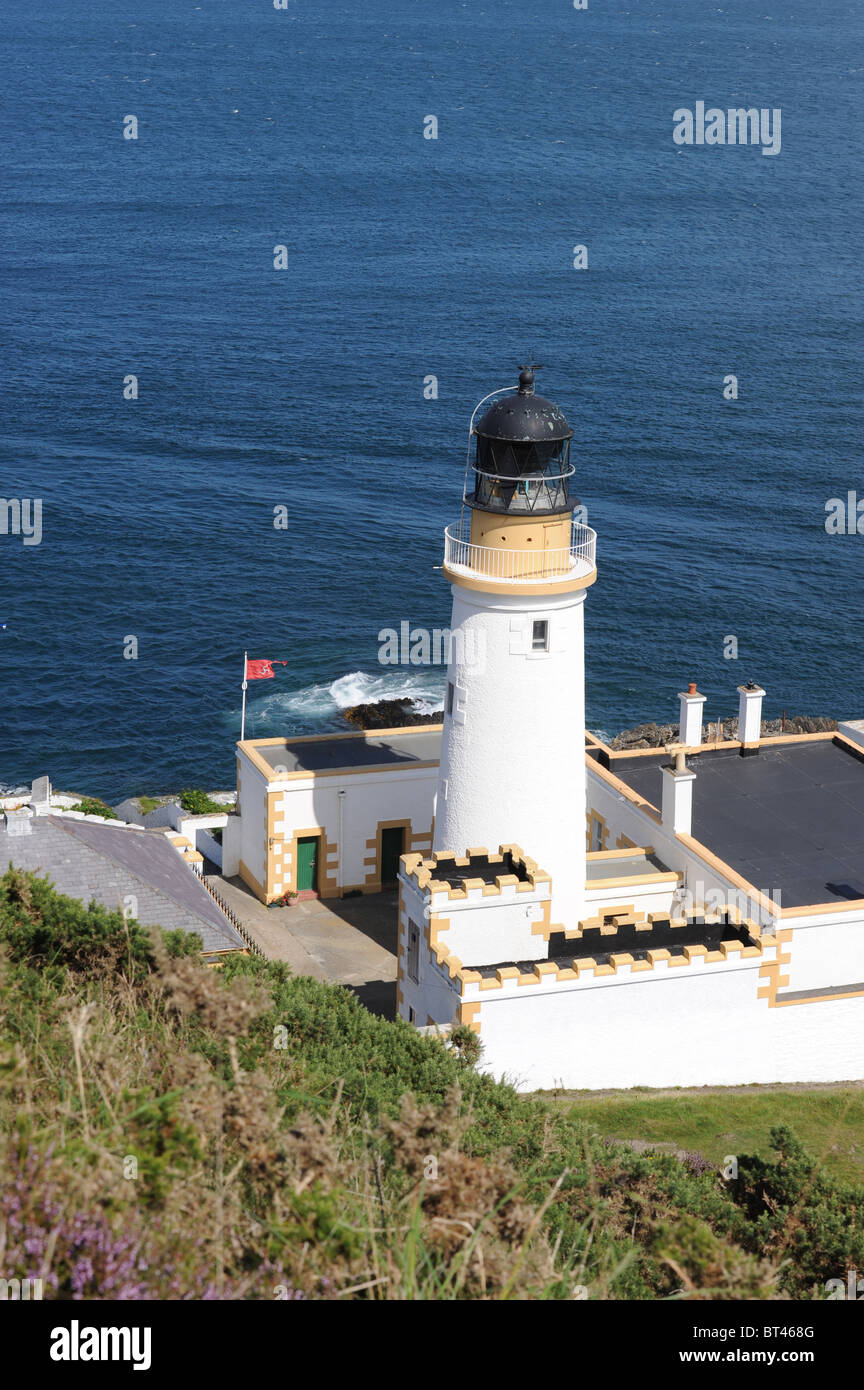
(696, 1024)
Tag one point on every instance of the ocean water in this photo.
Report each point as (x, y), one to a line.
(407, 257)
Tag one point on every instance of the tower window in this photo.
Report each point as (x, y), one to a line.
(413, 963)
(540, 636)
(450, 693)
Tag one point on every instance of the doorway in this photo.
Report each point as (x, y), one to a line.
(392, 846)
(307, 864)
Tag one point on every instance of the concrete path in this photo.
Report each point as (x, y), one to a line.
(350, 942)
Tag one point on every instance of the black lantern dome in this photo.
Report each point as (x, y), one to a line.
(522, 462)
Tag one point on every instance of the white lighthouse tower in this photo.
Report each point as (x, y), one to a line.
(513, 751)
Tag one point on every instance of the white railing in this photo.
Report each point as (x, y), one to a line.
(523, 480)
(522, 566)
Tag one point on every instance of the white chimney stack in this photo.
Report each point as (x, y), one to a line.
(677, 804)
(691, 716)
(750, 714)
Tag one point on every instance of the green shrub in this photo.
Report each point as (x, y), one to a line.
(466, 1044)
(790, 1207)
(92, 806)
(43, 928)
(198, 803)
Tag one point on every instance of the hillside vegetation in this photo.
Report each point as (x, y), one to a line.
(173, 1131)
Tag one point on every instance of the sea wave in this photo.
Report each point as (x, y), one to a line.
(320, 702)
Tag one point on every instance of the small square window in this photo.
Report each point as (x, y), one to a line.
(450, 695)
(540, 636)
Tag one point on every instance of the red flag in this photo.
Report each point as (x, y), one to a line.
(261, 670)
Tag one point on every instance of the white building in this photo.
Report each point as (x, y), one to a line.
(331, 815)
(600, 919)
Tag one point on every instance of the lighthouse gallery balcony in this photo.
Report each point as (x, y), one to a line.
(507, 565)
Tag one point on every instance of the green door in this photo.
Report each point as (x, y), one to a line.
(307, 864)
(392, 845)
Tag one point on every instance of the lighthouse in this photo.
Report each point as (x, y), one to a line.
(513, 749)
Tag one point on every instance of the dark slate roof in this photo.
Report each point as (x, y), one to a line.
(89, 861)
(410, 746)
(789, 818)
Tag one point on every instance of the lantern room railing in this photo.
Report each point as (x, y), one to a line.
(521, 566)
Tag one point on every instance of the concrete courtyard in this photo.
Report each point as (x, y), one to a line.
(348, 941)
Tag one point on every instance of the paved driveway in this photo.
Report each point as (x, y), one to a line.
(350, 942)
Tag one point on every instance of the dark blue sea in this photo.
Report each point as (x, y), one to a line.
(411, 257)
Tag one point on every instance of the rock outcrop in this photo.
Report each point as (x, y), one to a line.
(389, 714)
(658, 735)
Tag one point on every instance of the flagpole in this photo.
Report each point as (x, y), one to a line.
(243, 712)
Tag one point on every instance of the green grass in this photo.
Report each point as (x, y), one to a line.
(828, 1121)
(148, 803)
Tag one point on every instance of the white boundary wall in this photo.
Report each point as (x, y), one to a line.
(691, 1025)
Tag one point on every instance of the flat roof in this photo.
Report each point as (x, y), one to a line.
(446, 868)
(636, 865)
(790, 817)
(345, 752)
(565, 951)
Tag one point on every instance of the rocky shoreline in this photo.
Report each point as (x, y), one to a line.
(402, 713)
(389, 714)
(719, 731)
